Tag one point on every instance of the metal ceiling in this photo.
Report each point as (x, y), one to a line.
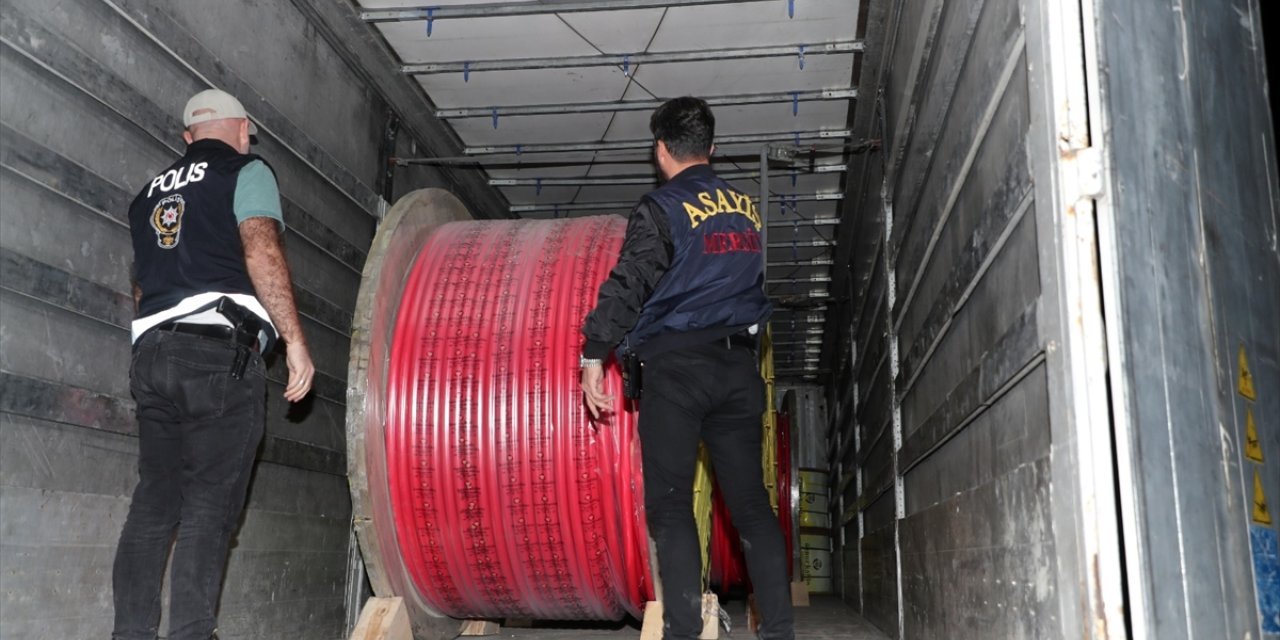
(552, 99)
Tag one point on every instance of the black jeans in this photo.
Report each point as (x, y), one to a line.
(198, 432)
(713, 392)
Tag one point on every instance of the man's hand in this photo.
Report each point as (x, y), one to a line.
(593, 391)
(264, 258)
(301, 371)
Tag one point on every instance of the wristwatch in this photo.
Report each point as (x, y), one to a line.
(584, 362)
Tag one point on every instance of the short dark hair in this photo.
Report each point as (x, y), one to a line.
(686, 126)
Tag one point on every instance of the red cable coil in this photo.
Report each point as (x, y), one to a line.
(507, 501)
(728, 565)
(785, 506)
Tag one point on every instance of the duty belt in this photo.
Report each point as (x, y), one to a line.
(242, 339)
(214, 331)
(739, 339)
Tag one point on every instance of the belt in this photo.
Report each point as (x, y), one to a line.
(213, 331)
(740, 339)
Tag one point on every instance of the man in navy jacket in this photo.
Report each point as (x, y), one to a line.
(686, 297)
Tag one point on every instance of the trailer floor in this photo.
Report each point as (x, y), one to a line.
(826, 618)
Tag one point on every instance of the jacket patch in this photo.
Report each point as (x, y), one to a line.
(166, 219)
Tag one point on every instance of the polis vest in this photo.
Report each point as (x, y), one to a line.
(186, 239)
(713, 286)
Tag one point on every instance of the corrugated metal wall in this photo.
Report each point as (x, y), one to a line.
(1055, 261)
(88, 110)
(942, 452)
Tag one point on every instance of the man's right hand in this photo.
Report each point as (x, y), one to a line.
(593, 391)
(301, 371)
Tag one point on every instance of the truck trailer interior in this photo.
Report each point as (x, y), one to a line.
(1023, 365)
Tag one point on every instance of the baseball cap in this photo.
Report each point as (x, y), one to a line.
(214, 104)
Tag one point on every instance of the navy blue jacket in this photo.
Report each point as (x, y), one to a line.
(691, 270)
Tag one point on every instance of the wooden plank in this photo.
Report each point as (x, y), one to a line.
(471, 628)
(651, 627)
(383, 619)
(710, 617)
(799, 595)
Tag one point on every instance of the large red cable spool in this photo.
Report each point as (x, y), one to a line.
(480, 488)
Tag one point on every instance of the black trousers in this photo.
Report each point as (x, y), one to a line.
(198, 432)
(711, 392)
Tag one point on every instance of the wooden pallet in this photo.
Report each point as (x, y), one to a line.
(383, 619)
(479, 628)
(651, 627)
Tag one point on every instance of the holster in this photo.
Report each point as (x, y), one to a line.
(632, 368)
(247, 327)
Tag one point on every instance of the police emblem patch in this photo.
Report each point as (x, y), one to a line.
(166, 219)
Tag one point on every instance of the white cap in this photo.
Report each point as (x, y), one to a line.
(214, 104)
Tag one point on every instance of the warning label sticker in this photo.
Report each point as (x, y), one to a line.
(1261, 514)
(1252, 447)
(1266, 573)
(1245, 383)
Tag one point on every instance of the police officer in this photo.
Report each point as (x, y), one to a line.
(212, 288)
(686, 298)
